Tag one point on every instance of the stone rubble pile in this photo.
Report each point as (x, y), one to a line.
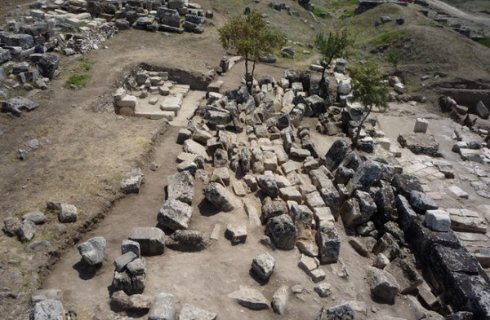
(27, 44)
(26, 229)
(150, 94)
(157, 15)
(252, 151)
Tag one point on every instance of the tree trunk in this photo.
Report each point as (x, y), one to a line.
(359, 128)
(248, 83)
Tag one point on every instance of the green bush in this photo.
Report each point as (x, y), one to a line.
(485, 42)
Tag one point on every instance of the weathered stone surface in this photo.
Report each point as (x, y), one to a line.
(133, 181)
(136, 267)
(220, 197)
(368, 173)
(11, 225)
(302, 215)
(310, 266)
(68, 213)
(272, 208)
(129, 245)
(175, 215)
(93, 250)
(180, 186)
(420, 143)
(122, 261)
(339, 312)
(191, 312)
(421, 202)
(187, 240)
(405, 212)
(263, 266)
(163, 307)
(35, 217)
(437, 220)
(139, 303)
(268, 185)
(26, 231)
(328, 242)
(336, 154)
(236, 233)
(151, 240)
(323, 289)
(383, 285)
(464, 220)
(405, 273)
(280, 299)
(193, 147)
(119, 301)
(250, 298)
(282, 232)
(48, 309)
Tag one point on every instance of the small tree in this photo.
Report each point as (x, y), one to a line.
(331, 47)
(369, 90)
(394, 57)
(252, 38)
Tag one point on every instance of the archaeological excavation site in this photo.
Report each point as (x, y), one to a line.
(239, 159)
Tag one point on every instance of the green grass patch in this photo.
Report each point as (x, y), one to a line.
(388, 37)
(320, 12)
(80, 75)
(485, 42)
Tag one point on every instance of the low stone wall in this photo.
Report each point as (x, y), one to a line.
(197, 81)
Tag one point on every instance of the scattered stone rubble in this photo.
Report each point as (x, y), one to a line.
(305, 197)
(150, 94)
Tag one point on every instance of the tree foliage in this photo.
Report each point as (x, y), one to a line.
(369, 89)
(394, 57)
(251, 37)
(332, 46)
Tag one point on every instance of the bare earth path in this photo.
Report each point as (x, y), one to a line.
(455, 12)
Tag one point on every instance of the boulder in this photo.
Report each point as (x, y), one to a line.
(323, 289)
(123, 260)
(263, 266)
(280, 299)
(129, 245)
(11, 225)
(163, 307)
(180, 186)
(48, 64)
(175, 215)
(150, 239)
(336, 154)
(272, 208)
(383, 285)
(93, 250)
(405, 184)
(132, 182)
(35, 217)
(481, 110)
(220, 197)
(236, 233)
(68, 213)
(48, 309)
(268, 185)
(368, 174)
(250, 298)
(421, 202)
(26, 231)
(282, 232)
